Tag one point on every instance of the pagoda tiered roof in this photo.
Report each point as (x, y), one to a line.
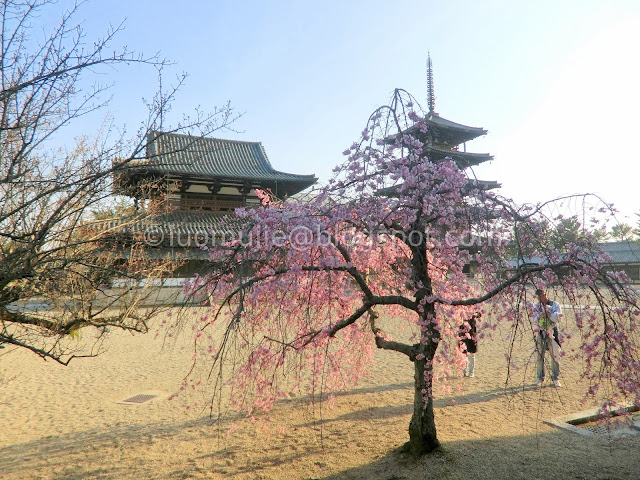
(471, 185)
(441, 131)
(435, 121)
(462, 159)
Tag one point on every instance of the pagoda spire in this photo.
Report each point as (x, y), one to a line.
(431, 96)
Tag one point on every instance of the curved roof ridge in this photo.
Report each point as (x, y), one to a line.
(438, 120)
(199, 137)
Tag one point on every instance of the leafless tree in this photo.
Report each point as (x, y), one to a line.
(49, 254)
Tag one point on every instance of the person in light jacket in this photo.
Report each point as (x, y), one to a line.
(546, 315)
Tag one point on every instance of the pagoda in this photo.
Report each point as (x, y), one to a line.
(193, 185)
(444, 138)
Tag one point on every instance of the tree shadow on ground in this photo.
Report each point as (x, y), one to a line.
(92, 454)
(71, 453)
(13, 458)
(508, 392)
(551, 456)
(371, 413)
(353, 391)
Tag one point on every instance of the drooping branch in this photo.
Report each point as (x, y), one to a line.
(41, 352)
(68, 326)
(521, 274)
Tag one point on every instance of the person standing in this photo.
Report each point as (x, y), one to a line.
(546, 315)
(467, 334)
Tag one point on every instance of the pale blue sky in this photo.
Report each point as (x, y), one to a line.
(556, 83)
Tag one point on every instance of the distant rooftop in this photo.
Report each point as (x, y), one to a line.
(619, 253)
(622, 252)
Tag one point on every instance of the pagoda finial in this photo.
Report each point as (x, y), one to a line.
(431, 96)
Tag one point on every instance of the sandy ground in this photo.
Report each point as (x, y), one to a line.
(65, 423)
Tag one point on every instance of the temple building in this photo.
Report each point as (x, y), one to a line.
(193, 184)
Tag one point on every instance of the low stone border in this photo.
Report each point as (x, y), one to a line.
(570, 422)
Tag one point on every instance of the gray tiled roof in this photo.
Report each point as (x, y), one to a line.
(622, 252)
(177, 154)
(618, 252)
(206, 223)
(174, 227)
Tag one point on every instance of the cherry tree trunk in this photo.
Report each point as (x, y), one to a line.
(422, 428)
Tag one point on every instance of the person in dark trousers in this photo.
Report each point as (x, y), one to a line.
(546, 315)
(467, 333)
